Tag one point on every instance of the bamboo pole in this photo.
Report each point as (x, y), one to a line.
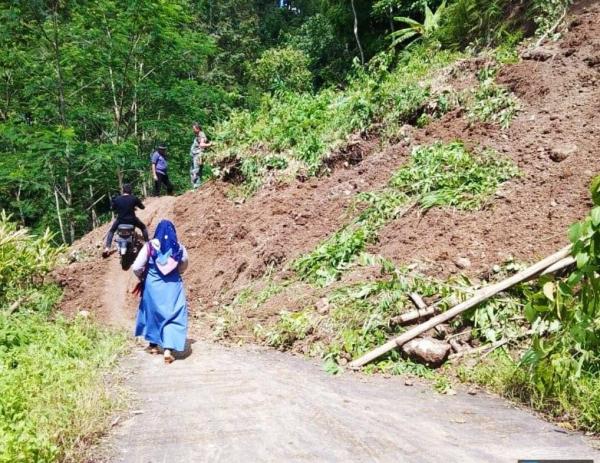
(418, 301)
(559, 265)
(480, 296)
(413, 315)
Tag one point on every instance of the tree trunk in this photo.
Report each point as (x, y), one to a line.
(60, 222)
(93, 211)
(69, 202)
(20, 205)
(360, 49)
(120, 178)
(59, 73)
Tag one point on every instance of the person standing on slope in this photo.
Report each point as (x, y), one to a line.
(159, 170)
(162, 313)
(200, 142)
(125, 206)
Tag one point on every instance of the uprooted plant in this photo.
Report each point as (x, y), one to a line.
(491, 102)
(445, 175)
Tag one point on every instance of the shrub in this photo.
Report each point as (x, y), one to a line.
(481, 23)
(24, 259)
(565, 315)
(282, 69)
(52, 397)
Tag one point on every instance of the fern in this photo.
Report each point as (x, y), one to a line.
(423, 31)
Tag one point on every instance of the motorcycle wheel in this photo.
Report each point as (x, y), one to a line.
(126, 260)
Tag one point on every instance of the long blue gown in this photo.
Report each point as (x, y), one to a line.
(162, 314)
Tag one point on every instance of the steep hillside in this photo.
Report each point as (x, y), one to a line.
(554, 140)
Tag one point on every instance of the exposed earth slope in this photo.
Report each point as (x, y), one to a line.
(554, 140)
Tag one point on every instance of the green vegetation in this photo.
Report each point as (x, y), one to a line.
(491, 102)
(450, 175)
(559, 371)
(54, 397)
(54, 401)
(236, 316)
(422, 31)
(546, 13)
(445, 175)
(24, 262)
(290, 327)
(88, 91)
(303, 128)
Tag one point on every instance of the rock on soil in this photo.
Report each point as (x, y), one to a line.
(427, 350)
(560, 153)
(537, 54)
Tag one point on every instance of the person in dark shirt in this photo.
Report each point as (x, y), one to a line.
(124, 206)
(159, 170)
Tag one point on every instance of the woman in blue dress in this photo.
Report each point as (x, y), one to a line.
(162, 314)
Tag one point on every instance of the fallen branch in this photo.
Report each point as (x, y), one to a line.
(413, 315)
(489, 348)
(422, 311)
(15, 305)
(552, 29)
(477, 350)
(418, 301)
(482, 295)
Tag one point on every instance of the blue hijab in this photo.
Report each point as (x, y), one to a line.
(167, 236)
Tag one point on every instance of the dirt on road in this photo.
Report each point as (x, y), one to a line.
(98, 285)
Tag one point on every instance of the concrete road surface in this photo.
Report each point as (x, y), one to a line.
(242, 405)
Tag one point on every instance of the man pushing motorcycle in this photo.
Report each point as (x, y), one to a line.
(124, 206)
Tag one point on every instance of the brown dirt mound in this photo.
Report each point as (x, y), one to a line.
(554, 141)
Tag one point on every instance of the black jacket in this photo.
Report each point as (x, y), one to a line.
(125, 206)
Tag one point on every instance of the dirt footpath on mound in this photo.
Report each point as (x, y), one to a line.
(99, 285)
(554, 140)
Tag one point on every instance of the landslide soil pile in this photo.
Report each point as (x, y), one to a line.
(554, 140)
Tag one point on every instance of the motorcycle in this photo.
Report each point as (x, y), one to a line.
(128, 245)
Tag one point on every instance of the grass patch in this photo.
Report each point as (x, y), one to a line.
(444, 175)
(54, 396)
(235, 318)
(575, 408)
(289, 328)
(54, 399)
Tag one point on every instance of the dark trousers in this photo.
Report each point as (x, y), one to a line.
(136, 223)
(162, 178)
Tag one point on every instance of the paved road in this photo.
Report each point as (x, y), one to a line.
(240, 405)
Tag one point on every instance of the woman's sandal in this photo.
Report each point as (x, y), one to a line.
(152, 349)
(168, 356)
